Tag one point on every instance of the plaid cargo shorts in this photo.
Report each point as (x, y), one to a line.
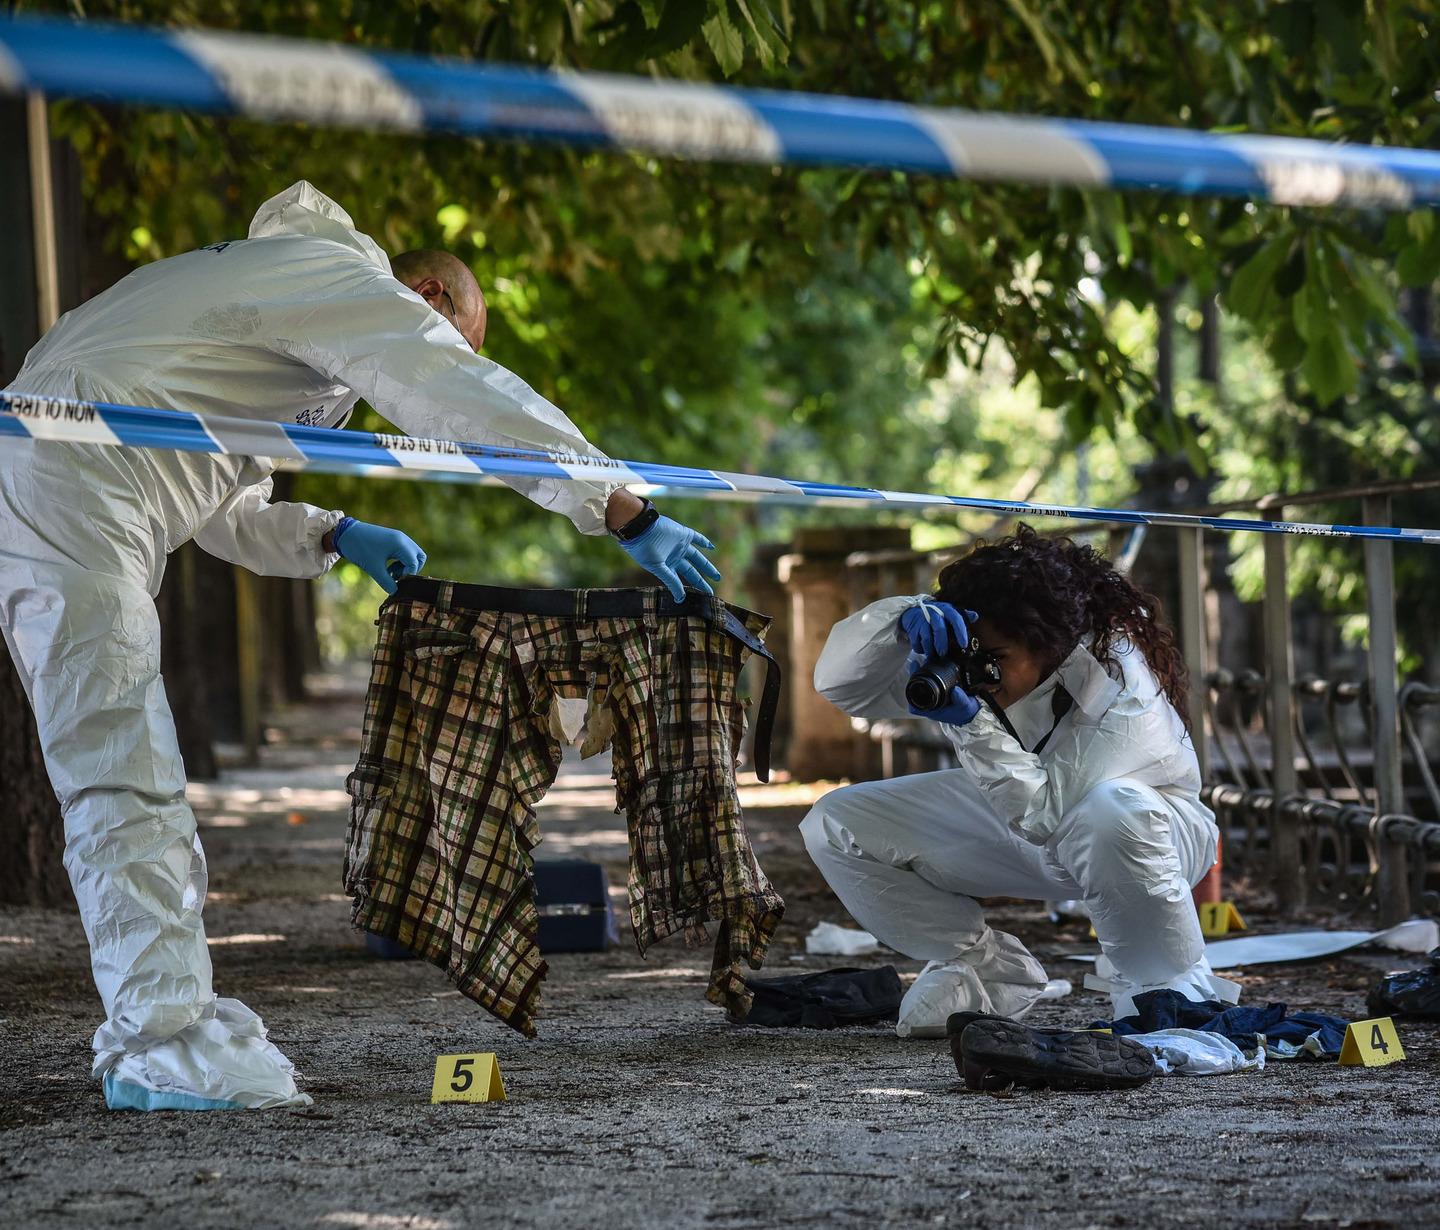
(473, 692)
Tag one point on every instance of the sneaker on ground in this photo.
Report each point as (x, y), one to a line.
(992, 1053)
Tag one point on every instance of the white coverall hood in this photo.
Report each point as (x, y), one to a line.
(292, 325)
(1109, 812)
(302, 209)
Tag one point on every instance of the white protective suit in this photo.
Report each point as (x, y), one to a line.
(1109, 812)
(292, 325)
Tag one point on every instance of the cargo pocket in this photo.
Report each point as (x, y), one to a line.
(678, 871)
(456, 687)
(370, 791)
(434, 658)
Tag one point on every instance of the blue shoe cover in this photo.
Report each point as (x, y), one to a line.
(126, 1095)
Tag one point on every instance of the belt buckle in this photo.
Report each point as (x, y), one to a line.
(582, 604)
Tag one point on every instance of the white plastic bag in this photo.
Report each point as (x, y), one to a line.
(828, 940)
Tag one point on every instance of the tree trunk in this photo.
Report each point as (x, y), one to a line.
(216, 628)
(186, 661)
(32, 836)
(307, 628)
(292, 646)
(288, 615)
(31, 832)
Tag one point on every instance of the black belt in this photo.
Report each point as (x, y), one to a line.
(613, 604)
(564, 603)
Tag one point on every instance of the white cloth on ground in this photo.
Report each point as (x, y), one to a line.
(829, 940)
(1194, 1052)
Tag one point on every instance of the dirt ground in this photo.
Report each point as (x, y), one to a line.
(639, 1105)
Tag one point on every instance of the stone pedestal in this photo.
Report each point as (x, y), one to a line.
(822, 742)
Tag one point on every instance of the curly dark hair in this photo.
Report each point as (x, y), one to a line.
(1049, 592)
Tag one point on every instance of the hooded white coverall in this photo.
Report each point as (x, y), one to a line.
(1108, 812)
(293, 324)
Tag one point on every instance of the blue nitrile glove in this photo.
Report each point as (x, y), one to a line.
(671, 552)
(935, 628)
(959, 711)
(386, 554)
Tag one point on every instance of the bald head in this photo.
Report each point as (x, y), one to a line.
(445, 282)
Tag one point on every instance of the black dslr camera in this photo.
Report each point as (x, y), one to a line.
(970, 669)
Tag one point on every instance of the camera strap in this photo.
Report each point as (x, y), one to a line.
(1061, 702)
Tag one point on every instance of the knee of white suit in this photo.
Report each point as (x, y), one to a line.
(107, 828)
(1119, 845)
(881, 885)
(1120, 837)
(822, 836)
(842, 840)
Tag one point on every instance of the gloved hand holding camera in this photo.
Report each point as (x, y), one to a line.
(950, 665)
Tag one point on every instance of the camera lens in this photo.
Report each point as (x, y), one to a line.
(929, 687)
(923, 692)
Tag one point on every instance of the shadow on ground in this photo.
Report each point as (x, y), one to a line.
(639, 1105)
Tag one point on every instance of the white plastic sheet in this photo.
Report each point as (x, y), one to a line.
(1414, 935)
(829, 940)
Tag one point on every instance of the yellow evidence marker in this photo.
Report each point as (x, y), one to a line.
(467, 1078)
(1219, 918)
(1373, 1043)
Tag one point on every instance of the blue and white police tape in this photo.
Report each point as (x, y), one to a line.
(289, 79)
(296, 447)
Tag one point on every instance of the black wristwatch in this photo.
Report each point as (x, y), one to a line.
(639, 523)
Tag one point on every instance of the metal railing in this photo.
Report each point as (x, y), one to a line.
(1307, 776)
(1295, 823)
(1350, 850)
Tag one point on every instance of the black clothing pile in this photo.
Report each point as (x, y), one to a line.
(1412, 993)
(827, 1000)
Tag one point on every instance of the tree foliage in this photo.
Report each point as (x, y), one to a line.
(782, 319)
(998, 261)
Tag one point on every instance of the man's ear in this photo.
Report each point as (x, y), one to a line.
(429, 288)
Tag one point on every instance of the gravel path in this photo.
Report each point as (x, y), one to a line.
(639, 1106)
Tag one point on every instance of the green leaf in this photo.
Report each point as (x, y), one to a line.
(1252, 287)
(1199, 459)
(1418, 264)
(725, 43)
(679, 25)
(1293, 272)
(1053, 50)
(1340, 25)
(1329, 369)
(1121, 234)
(651, 10)
(736, 258)
(1382, 301)
(1038, 33)
(769, 46)
(1310, 310)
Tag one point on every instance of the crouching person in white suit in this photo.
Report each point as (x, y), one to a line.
(1077, 779)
